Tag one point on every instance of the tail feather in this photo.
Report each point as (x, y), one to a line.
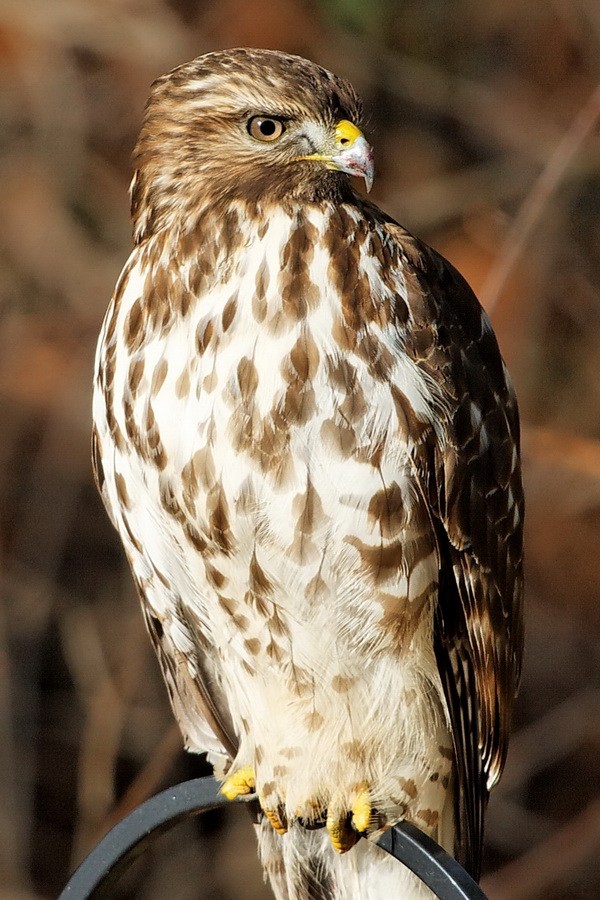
(302, 865)
(297, 864)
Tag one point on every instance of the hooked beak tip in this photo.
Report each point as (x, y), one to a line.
(357, 160)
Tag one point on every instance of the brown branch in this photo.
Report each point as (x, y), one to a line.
(106, 697)
(149, 779)
(533, 874)
(537, 200)
(552, 737)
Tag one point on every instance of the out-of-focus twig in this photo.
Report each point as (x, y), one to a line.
(509, 825)
(538, 198)
(138, 32)
(552, 736)
(105, 695)
(476, 104)
(532, 875)
(149, 779)
(13, 822)
(453, 195)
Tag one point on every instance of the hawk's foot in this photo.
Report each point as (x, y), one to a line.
(243, 782)
(277, 818)
(343, 825)
(239, 783)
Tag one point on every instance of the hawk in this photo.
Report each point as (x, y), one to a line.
(308, 442)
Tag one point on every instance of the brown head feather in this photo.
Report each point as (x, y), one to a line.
(194, 150)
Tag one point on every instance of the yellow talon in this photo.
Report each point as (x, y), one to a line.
(241, 782)
(342, 836)
(277, 819)
(361, 810)
(344, 826)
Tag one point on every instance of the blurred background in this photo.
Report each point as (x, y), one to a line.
(484, 118)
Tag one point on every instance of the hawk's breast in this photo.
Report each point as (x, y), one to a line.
(282, 414)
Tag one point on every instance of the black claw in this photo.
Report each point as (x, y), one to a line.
(312, 824)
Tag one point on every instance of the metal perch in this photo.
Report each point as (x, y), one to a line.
(102, 868)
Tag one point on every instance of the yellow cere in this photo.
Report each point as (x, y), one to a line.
(346, 133)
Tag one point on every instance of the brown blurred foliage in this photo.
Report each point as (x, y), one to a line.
(484, 118)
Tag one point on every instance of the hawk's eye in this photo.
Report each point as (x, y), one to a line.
(265, 129)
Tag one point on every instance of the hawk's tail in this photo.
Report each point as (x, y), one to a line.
(302, 865)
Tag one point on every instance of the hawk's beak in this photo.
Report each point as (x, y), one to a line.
(355, 155)
(350, 153)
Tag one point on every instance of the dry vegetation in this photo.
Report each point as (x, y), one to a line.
(485, 123)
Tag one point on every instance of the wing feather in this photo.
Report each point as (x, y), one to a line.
(197, 700)
(470, 476)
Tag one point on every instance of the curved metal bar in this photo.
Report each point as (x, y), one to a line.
(110, 858)
(436, 868)
(113, 855)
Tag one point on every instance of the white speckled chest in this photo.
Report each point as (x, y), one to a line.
(265, 461)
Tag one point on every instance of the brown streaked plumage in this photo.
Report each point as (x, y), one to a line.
(307, 440)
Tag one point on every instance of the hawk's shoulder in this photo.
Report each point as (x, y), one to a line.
(469, 473)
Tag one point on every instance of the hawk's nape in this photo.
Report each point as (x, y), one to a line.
(308, 442)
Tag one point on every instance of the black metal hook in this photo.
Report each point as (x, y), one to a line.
(102, 868)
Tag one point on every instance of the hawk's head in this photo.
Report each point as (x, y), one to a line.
(255, 125)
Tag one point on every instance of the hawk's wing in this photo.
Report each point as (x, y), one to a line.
(196, 697)
(470, 477)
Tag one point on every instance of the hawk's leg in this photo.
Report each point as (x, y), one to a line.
(343, 825)
(242, 781)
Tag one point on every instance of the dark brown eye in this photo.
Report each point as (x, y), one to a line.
(265, 129)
